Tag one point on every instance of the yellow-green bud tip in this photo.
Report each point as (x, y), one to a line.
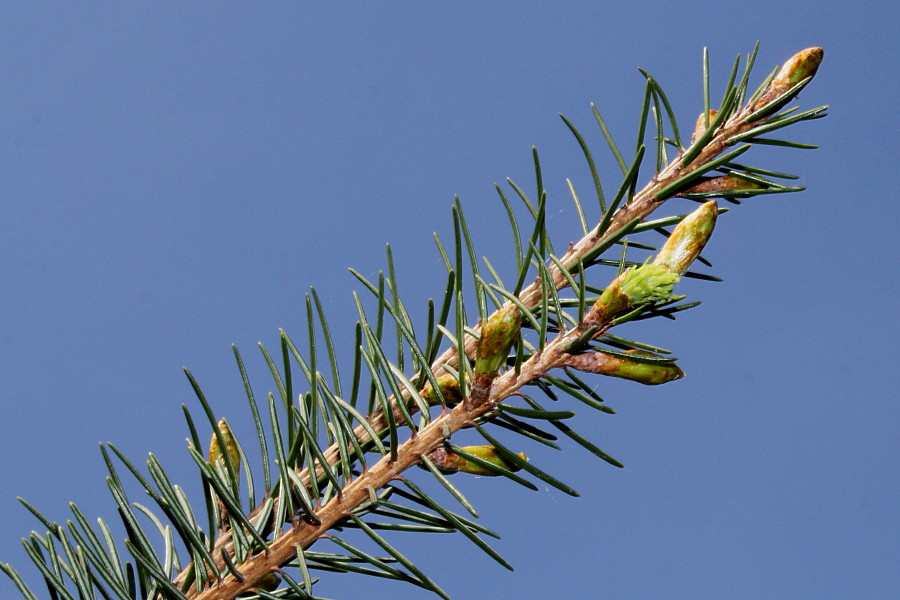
(638, 285)
(448, 462)
(800, 66)
(644, 371)
(688, 239)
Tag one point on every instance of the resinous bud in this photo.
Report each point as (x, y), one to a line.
(688, 239)
(641, 371)
(448, 462)
(801, 66)
(702, 120)
(497, 337)
(216, 455)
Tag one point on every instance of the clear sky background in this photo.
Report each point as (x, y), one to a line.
(174, 177)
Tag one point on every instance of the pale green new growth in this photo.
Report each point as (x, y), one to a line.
(648, 283)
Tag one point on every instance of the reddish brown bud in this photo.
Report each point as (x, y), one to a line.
(726, 183)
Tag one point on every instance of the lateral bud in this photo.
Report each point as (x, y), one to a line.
(448, 463)
(633, 369)
(449, 387)
(498, 335)
(688, 239)
(216, 456)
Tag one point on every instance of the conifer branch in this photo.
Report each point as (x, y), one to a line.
(331, 487)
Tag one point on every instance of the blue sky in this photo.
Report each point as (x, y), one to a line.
(174, 177)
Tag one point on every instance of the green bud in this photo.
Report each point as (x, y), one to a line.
(449, 387)
(215, 452)
(611, 302)
(497, 337)
(448, 462)
(641, 371)
(688, 239)
(269, 582)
